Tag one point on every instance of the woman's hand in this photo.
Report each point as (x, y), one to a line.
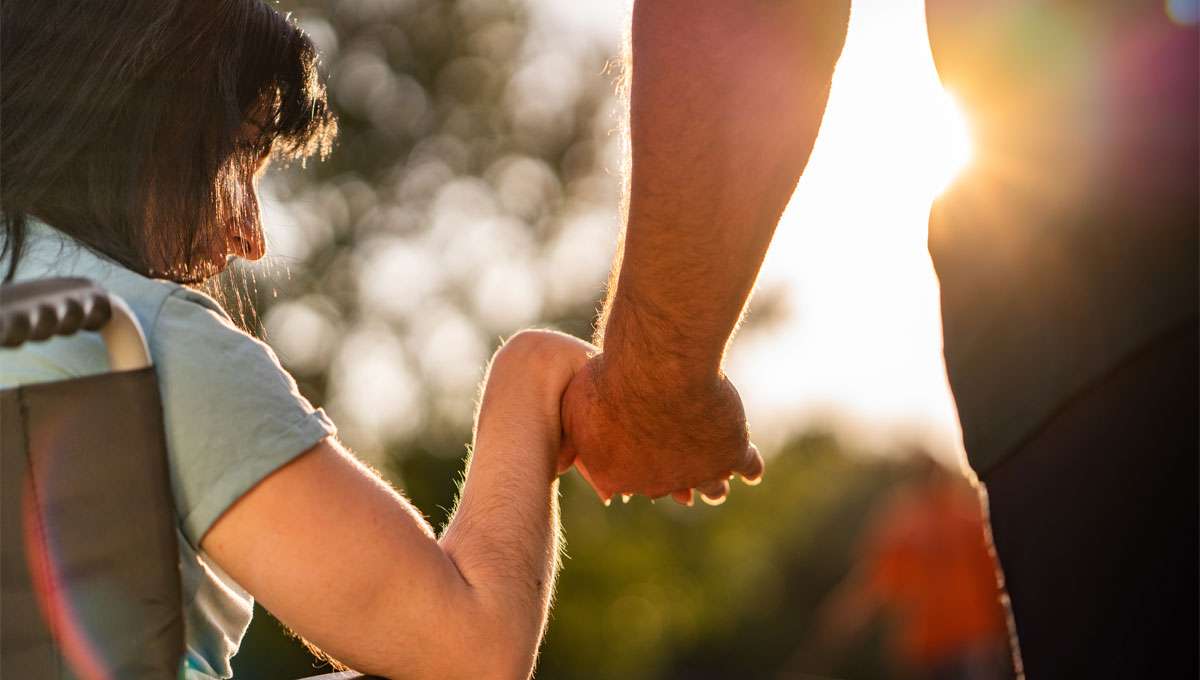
(524, 388)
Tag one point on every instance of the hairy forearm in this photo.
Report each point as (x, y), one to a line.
(504, 540)
(504, 534)
(726, 98)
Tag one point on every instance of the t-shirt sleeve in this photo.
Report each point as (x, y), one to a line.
(231, 413)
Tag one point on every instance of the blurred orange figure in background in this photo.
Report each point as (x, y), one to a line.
(924, 563)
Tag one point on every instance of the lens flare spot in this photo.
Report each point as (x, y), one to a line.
(1184, 12)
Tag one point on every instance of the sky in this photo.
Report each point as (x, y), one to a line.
(859, 346)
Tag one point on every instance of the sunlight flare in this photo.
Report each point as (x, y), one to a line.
(952, 147)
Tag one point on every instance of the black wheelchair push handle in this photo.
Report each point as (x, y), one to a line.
(37, 310)
(41, 309)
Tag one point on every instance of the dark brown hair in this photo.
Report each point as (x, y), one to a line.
(120, 120)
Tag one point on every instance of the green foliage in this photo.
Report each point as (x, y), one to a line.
(662, 591)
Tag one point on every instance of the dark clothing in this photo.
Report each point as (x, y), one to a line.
(1072, 240)
(1095, 523)
(1068, 260)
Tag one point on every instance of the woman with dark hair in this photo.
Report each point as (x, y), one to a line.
(138, 129)
(132, 136)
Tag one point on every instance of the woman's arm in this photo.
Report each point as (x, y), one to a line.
(349, 564)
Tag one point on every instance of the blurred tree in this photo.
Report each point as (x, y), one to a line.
(473, 191)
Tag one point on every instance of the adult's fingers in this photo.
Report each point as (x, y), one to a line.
(751, 466)
(714, 493)
(605, 496)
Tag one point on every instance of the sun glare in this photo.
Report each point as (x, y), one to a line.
(863, 343)
(951, 141)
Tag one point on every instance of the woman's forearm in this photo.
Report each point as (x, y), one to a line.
(504, 534)
(503, 538)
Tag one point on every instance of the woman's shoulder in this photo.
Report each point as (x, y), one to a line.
(194, 328)
(232, 414)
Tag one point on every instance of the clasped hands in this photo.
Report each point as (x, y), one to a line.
(641, 432)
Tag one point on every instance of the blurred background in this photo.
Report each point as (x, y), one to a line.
(474, 191)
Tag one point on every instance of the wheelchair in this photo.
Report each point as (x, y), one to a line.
(89, 575)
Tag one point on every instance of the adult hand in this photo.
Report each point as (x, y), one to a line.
(630, 435)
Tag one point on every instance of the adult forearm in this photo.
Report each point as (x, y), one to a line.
(726, 98)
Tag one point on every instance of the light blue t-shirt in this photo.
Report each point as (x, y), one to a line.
(232, 415)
